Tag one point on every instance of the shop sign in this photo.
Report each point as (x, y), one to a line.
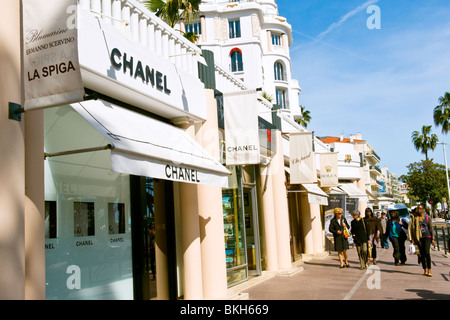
(52, 74)
(241, 128)
(66, 48)
(329, 169)
(301, 158)
(126, 70)
(136, 69)
(181, 174)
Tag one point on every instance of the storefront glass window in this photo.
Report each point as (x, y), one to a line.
(88, 225)
(234, 229)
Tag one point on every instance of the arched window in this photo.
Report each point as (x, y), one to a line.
(236, 60)
(278, 69)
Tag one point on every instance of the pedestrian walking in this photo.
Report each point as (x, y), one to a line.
(373, 231)
(398, 237)
(384, 236)
(414, 233)
(426, 239)
(339, 226)
(360, 238)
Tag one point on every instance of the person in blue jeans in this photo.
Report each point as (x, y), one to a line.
(398, 237)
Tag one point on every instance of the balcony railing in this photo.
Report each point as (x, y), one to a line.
(373, 154)
(139, 25)
(375, 168)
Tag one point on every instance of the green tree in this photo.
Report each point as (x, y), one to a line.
(425, 140)
(426, 181)
(305, 118)
(441, 114)
(267, 96)
(172, 11)
(191, 36)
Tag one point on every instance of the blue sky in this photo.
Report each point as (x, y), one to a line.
(383, 83)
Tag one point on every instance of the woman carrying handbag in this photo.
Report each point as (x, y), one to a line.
(337, 227)
(426, 239)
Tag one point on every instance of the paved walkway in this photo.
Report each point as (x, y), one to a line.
(322, 279)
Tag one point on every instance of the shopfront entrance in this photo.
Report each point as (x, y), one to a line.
(103, 214)
(153, 235)
(252, 231)
(241, 228)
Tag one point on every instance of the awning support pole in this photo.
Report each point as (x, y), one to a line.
(65, 153)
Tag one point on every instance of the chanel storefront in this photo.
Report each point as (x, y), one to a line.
(126, 170)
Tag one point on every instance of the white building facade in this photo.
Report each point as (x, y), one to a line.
(250, 40)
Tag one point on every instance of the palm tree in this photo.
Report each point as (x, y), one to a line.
(441, 114)
(424, 141)
(191, 36)
(267, 96)
(172, 11)
(306, 117)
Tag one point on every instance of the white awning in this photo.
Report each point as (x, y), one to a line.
(144, 146)
(353, 192)
(315, 194)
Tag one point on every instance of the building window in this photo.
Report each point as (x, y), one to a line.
(281, 98)
(234, 229)
(195, 28)
(234, 29)
(276, 39)
(236, 60)
(88, 252)
(279, 71)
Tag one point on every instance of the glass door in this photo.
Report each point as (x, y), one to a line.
(252, 231)
(234, 229)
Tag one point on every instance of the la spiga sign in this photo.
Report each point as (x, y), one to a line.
(51, 69)
(137, 70)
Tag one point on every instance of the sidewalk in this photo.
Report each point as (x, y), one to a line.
(322, 279)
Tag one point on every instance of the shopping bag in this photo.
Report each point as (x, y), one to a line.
(412, 249)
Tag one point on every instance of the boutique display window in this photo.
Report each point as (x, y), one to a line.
(234, 228)
(88, 224)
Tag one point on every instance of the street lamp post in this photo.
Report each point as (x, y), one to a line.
(446, 172)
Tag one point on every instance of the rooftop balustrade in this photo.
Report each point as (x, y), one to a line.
(138, 24)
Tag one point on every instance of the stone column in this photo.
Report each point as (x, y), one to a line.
(190, 235)
(34, 206)
(162, 276)
(280, 204)
(305, 217)
(12, 160)
(211, 213)
(269, 229)
(316, 226)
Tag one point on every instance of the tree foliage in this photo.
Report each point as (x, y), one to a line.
(425, 140)
(426, 181)
(305, 118)
(441, 113)
(172, 11)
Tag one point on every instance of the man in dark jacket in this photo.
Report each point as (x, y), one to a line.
(360, 238)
